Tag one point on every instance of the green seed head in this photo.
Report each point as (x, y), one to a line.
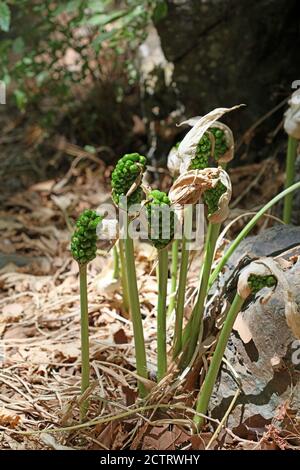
(125, 174)
(204, 149)
(221, 146)
(256, 283)
(160, 219)
(212, 196)
(84, 238)
(203, 152)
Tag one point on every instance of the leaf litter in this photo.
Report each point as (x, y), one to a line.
(40, 336)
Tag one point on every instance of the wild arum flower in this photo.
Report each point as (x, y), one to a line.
(83, 247)
(126, 183)
(161, 231)
(126, 178)
(193, 152)
(292, 128)
(214, 187)
(208, 143)
(217, 199)
(257, 275)
(83, 242)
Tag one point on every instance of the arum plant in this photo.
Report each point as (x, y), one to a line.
(253, 278)
(185, 250)
(217, 200)
(123, 275)
(126, 191)
(116, 265)
(161, 231)
(208, 143)
(292, 128)
(174, 170)
(83, 247)
(213, 184)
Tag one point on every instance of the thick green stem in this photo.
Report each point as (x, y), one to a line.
(174, 269)
(136, 317)
(289, 178)
(177, 340)
(123, 276)
(116, 271)
(247, 229)
(198, 310)
(85, 356)
(161, 313)
(213, 370)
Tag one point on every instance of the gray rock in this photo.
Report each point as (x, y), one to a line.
(223, 54)
(264, 386)
(270, 242)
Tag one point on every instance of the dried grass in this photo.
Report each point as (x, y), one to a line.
(40, 337)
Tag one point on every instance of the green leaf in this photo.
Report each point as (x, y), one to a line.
(4, 17)
(21, 99)
(160, 11)
(105, 18)
(68, 7)
(18, 45)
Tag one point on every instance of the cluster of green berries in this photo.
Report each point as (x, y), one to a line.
(83, 242)
(160, 223)
(204, 149)
(212, 196)
(221, 145)
(203, 152)
(125, 174)
(256, 283)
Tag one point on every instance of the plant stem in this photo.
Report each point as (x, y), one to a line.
(211, 376)
(174, 268)
(247, 229)
(136, 317)
(116, 271)
(289, 178)
(197, 314)
(161, 313)
(85, 356)
(123, 276)
(188, 220)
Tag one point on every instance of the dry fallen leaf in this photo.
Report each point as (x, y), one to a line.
(8, 418)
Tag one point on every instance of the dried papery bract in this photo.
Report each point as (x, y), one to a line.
(189, 187)
(292, 313)
(221, 213)
(270, 267)
(192, 185)
(292, 116)
(188, 146)
(257, 268)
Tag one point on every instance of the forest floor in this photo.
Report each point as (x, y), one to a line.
(40, 329)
